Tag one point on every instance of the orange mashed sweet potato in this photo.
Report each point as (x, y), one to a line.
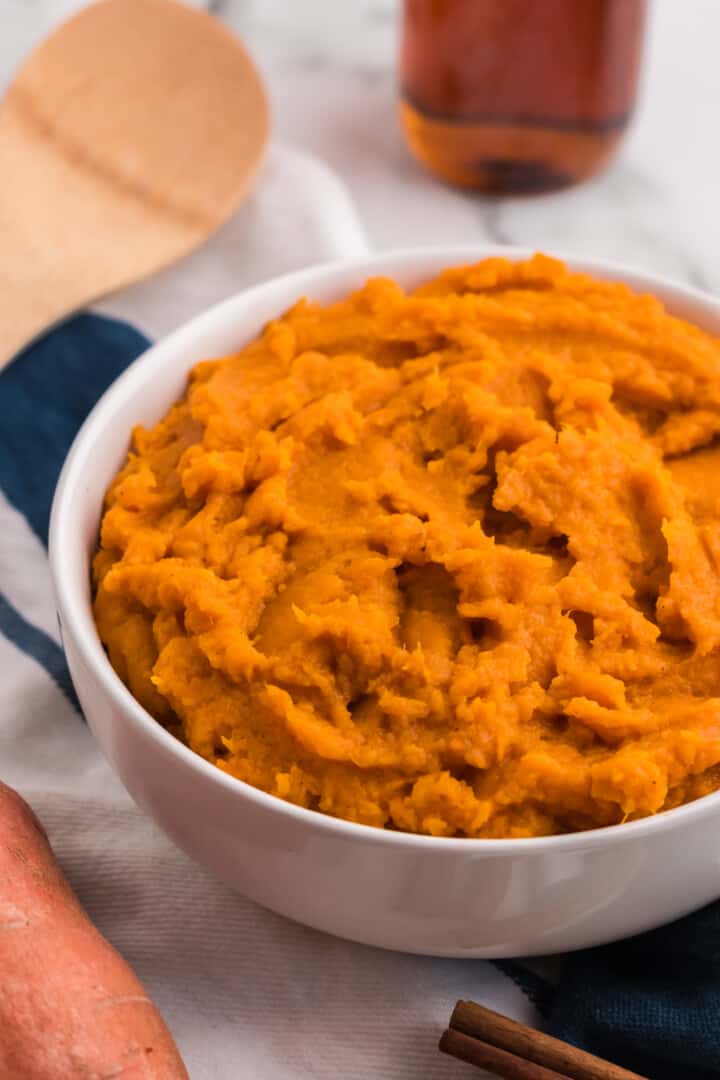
(445, 561)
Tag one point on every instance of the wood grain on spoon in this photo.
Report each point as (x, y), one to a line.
(127, 138)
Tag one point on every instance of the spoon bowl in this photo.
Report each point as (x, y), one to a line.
(127, 138)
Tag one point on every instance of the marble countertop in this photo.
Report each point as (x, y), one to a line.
(330, 73)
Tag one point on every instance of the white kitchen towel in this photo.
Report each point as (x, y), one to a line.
(246, 993)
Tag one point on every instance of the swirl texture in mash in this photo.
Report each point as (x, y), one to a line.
(445, 561)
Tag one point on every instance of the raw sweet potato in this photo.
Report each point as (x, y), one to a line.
(70, 1007)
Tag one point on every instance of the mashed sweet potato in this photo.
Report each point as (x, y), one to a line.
(446, 561)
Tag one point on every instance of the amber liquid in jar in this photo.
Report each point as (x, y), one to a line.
(518, 95)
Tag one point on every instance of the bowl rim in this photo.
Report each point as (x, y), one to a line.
(76, 617)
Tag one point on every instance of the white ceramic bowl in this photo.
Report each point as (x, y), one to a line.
(420, 894)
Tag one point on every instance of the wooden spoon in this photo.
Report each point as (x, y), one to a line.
(126, 139)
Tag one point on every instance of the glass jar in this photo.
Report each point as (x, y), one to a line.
(518, 95)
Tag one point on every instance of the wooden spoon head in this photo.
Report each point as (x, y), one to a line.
(130, 134)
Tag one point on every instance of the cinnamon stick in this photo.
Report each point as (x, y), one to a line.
(528, 1045)
(494, 1060)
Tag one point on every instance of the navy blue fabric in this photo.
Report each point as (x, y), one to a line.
(45, 394)
(538, 990)
(651, 1003)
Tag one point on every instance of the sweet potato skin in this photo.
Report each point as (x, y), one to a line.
(70, 1007)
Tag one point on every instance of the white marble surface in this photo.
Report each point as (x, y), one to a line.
(329, 67)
